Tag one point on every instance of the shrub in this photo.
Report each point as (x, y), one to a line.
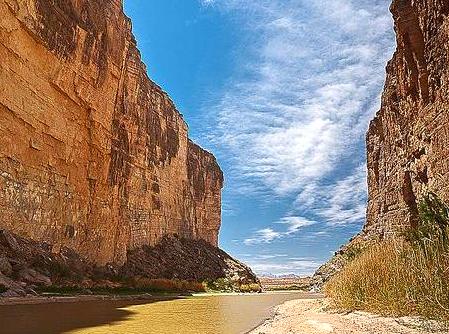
(433, 223)
(142, 285)
(401, 277)
(352, 251)
(3, 288)
(169, 285)
(248, 288)
(57, 290)
(220, 284)
(59, 270)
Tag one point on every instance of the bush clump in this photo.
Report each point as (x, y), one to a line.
(220, 284)
(169, 285)
(3, 288)
(404, 276)
(250, 288)
(142, 285)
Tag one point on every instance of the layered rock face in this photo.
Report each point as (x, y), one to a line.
(94, 156)
(408, 141)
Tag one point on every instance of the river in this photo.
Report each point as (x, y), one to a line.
(203, 314)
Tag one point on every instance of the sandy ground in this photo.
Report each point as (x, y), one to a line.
(310, 317)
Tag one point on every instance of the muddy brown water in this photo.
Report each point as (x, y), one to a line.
(217, 314)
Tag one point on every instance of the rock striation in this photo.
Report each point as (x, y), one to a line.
(408, 140)
(94, 156)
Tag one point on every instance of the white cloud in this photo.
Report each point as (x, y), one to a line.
(303, 267)
(295, 224)
(207, 2)
(342, 202)
(280, 264)
(269, 256)
(268, 235)
(345, 201)
(292, 119)
(265, 235)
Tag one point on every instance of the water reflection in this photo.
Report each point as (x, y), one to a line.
(221, 314)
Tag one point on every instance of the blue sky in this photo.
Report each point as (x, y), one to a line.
(281, 91)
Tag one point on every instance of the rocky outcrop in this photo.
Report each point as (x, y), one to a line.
(186, 259)
(94, 156)
(29, 267)
(408, 141)
(341, 258)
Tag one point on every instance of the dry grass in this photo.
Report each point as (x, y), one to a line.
(396, 278)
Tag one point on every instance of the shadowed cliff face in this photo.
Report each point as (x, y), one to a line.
(94, 156)
(408, 140)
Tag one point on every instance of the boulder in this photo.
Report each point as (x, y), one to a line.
(33, 277)
(13, 293)
(8, 240)
(5, 266)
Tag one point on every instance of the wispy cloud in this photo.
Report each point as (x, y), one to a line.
(294, 224)
(268, 235)
(341, 202)
(207, 2)
(292, 119)
(263, 236)
(303, 266)
(280, 264)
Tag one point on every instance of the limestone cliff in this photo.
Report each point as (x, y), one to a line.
(94, 155)
(408, 140)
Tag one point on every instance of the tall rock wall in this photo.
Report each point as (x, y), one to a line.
(408, 141)
(94, 156)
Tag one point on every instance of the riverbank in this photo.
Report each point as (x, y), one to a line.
(312, 316)
(31, 268)
(79, 298)
(36, 300)
(202, 313)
